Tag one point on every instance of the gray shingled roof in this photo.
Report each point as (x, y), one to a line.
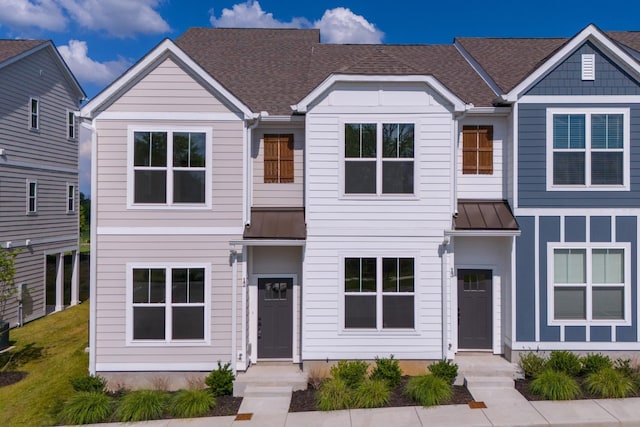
(11, 48)
(271, 69)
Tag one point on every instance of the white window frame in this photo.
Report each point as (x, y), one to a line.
(71, 127)
(379, 159)
(31, 113)
(588, 247)
(588, 112)
(378, 330)
(29, 197)
(71, 198)
(168, 304)
(169, 204)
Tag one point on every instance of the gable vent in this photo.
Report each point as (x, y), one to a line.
(588, 66)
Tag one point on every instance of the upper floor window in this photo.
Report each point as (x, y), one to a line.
(170, 167)
(32, 197)
(477, 150)
(278, 158)
(71, 124)
(34, 113)
(589, 149)
(71, 198)
(379, 158)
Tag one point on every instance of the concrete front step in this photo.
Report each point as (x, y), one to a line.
(484, 381)
(267, 391)
(270, 376)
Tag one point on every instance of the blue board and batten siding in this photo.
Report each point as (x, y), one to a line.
(575, 230)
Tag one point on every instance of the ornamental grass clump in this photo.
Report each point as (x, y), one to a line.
(142, 405)
(565, 361)
(609, 383)
(87, 407)
(191, 403)
(555, 385)
(532, 364)
(371, 393)
(334, 394)
(387, 369)
(429, 390)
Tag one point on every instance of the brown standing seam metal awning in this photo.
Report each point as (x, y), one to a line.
(276, 223)
(484, 215)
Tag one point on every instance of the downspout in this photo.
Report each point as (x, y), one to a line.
(445, 300)
(248, 188)
(234, 308)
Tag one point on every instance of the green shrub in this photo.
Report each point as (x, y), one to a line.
(609, 383)
(555, 385)
(334, 394)
(220, 380)
(593, 362)
(532, 364)
(624, 366)
(87, 407)
(371, 394)
(564, 361)
(352, 372)
(387, 369)
(88, 383)
(429, 390)
(444, 369)
(191, 403)
(142, 405)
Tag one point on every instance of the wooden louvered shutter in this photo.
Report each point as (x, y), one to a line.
(271, 146)
(278, 158)
(485, 150)
(286, 158)
(477, 150)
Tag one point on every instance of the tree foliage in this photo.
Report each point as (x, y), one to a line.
(7, 277)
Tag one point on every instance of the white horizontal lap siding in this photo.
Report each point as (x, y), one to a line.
(324, 335)
(226, 185)
(475, 186)
(111, 276)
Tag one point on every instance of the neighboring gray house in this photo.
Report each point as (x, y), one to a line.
(39, 203)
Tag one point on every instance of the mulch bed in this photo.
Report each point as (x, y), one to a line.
(12, 377)
(225, 405)
(522, 385)
(305, 400)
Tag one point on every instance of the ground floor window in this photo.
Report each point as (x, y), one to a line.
(168, 303)
(590, 283)
(379, 293)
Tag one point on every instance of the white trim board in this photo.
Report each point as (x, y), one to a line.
(169, 231)
(156, 367)
(35, 166)
(165, 115)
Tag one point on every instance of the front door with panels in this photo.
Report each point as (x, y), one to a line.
(275, 318)
(475, 323)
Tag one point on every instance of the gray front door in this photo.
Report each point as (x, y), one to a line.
(475, 309)
(275, 318)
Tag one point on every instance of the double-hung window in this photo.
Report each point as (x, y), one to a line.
(32, 197)
(167, 304)
(589, 149)
(34, 113)
(590, 283)
(170, 167)
(71, 198)
(379, 293)
(71, 124)
(379, 158)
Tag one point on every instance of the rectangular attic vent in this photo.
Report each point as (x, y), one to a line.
(588, 66)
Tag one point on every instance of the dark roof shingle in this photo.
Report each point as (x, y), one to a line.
(11, 48)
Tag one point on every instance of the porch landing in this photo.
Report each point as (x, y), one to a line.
(259, 379)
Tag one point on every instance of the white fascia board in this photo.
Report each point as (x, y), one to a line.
(489, 111)
(165, 46)
(482, 233)
(267, 242)
(458, 104)
(590, 33)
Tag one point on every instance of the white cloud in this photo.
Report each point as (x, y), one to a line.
(251, 15)
(119, 18)
(86, 69)
(43, 14)
(341, 25)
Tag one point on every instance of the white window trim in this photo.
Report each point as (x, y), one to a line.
(30, 113)
(378, 330)
(28, 197)
(69, 114)
(626, 246)
(167, 341)
(379, 121)
(169, 205)
(68, 199)
(587, 112)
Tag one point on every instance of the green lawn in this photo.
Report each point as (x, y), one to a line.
(51, 350)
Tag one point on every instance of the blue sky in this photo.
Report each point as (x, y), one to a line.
(100, 39)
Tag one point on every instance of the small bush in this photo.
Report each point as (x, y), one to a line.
(142, 405)
(593, 362)
(429, 390)
(444, 369)
(609, 383)
(220, 380)
(191, 403)
(88, 383)
(87, 407)
(555, 385)
(371, 394)
(334, 394)
(532, 364)
(352, 372)
(564, 361)
(387, 369)
(624, 366)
